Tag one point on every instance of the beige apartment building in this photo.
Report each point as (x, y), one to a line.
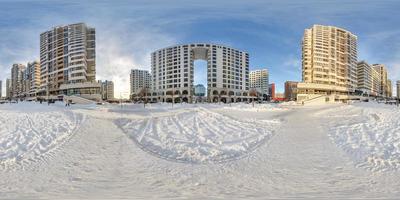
(385, 86)
(68, 61)
(329, 63)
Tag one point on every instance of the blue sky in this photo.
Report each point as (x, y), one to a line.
(269, 30)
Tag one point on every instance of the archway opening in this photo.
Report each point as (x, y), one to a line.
(200, 78)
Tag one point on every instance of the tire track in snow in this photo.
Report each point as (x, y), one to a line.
(197, 136)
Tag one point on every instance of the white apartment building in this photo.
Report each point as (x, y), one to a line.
(329, 63)
(139, 79)
(259, 80)
(173, 73)
(107, 90)
(68, 61)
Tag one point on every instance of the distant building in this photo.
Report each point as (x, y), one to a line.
(8, 88)
(32, 79)
(271, 90)
(389, 88)
(1, 89)
(199, 90)
(382, 71)
(291, 90)
(279, 97)
(107, 90)
(259, 80)
(139, 79)
(17, 80)
(365, 78)
(398, 89)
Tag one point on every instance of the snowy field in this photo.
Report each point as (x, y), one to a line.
(199, 151)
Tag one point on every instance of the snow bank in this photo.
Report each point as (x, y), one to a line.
(29, 132)
(197, 136)
(255, 108)
(368, 132)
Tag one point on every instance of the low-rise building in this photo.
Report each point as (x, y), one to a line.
(291, 90)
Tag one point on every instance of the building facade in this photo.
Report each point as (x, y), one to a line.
(383, 74)
(199, 90)
(68, 61)
(365, 78)
(17, 80)
(271, 90)
(329, 63)
(1, 89)
(32, 79)
(173, 73)
(259, 80)
(107, 90)
(290, 90)
(398, 89)
(140, 80)
(8, 89)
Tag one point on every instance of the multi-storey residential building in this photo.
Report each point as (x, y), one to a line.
(389, 88)
(271, 90)
(291, 90)
(199, 90)
(107, 90)
(139, 80)
(67, 59)
(259, 80)
(398, 89)
(376, 82)
(8, 88)
(382, 71)
(364, 78)
(32, 79)
(329, 63)
(17, 80)
(173, 73)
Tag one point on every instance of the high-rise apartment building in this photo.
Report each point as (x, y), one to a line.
(382, 71)
(173, 73)
(32, 79)
(107, 90)
(139, 79)
(389, 88)
(17, 80)
(365, 78)
(329, 63)
(398, 89)
(259, 80)
(68, 61)
(290, 90)
(8, 88)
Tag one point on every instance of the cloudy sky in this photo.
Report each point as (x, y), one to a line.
(270, 30)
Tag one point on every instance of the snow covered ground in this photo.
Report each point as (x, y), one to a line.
(199, 151)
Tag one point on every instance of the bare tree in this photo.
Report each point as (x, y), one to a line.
(143, 95)
(253, 93)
